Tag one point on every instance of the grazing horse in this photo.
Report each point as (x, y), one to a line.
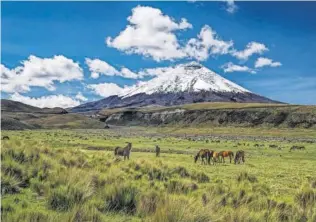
(224, 154)
(119, 151)
(157, 151)
(297, 148)
(215, 157)
(204, 154)
(240, 155)
(5, 138)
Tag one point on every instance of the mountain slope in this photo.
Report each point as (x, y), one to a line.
(182, 84)
(14, 106)
(20, 116)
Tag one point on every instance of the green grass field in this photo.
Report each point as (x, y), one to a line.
(72, 175)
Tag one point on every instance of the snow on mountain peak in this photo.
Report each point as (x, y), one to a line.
(188, 77)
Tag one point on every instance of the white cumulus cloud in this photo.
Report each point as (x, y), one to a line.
(261, 62)
(81, 97)
(41, 72)
(150, 33)
(251, 48)
(207, 43)
(231, 67)
(105, 89)
(50, 101)
(231, 7)
(98, 67)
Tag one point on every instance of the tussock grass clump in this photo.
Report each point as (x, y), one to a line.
(181, 171)
(31, 215)
(244, 176)
(306, 197)
(200, 177)
(180, 209)
(121, 198)
(148, 202)
(177, 186)
(85, 213)
(9, 185)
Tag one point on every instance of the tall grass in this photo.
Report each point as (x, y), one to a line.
(41, 183)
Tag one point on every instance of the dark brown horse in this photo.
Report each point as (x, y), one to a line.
(204, 154)
(5, 138)
(126, 151)
(224, 154)
(240, 156)
(157, 151)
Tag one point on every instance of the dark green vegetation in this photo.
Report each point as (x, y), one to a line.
(72, 175)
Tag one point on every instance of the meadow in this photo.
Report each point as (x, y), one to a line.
(72, 175)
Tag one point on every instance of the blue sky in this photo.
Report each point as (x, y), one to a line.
(62, 35)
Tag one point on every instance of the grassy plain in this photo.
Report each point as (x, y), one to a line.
(72, 175)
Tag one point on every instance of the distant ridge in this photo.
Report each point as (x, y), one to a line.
(14, 106)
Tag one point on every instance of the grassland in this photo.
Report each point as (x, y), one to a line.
(72, 175)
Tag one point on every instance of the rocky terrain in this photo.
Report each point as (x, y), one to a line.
(271, 116)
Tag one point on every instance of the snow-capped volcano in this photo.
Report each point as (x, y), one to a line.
(181, 84)
(190, 77)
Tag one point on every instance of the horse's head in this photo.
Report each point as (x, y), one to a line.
(196, 158)
(129, 145)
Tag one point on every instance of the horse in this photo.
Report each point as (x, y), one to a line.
(5, 138)
(157, 151)
(297, 148)
(119, 151)
(224, 154)
(240, 155)
(204, 154)
(215, 157)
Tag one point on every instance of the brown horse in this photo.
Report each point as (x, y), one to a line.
(126, 151)
(240, 156)
(203, 154)
(157, 151)
(224, 154)
(215, 157)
